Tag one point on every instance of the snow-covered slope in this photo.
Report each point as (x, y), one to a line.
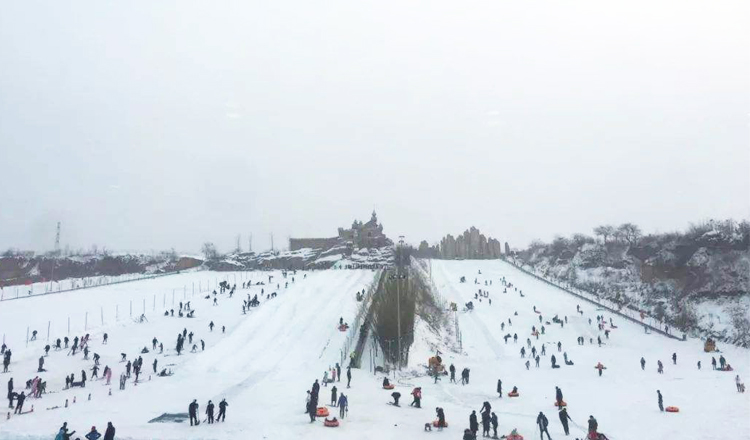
(267, 359)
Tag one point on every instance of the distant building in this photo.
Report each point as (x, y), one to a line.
(360, 235)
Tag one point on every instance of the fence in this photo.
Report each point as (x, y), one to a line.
(75, 284)
(77, 318)
(636, 316)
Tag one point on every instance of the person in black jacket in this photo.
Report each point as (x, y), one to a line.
(19, 403)
(493, 420)
(661, 401)
(558, 396)
(564, 417)
(453, 373)
(10, 393)
(593, 426)
(500, 388)
(193, 411)
(109, 434)
(473, 424)
(542, 421)
(210, 412)
(222, 410)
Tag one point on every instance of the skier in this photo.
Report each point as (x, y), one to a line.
(542, 421)
(396, 395)
(452, 369)
(193, 411)
(643, 364)
(210, 412)
(564, 417)
(500, 388)
(19, 403)
(334, 397)
(661, 401)
(109, 434)
(473, 424)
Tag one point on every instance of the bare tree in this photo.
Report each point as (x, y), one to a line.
(630, 233)
(209, 251)
(604, 231)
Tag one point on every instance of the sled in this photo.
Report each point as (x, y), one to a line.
(561, 404)
(538, 311)
(322, 411)
(331, 423)
(390, 386)
(437, 425)
(672, 409)
(512, 394)
(513, 437)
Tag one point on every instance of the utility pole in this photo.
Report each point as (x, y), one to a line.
(238, 249)
(398, 313)
(271, 241)
(250, 243)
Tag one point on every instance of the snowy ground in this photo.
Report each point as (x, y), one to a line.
(266, 361)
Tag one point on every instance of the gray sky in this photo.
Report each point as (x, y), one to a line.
(148, 125)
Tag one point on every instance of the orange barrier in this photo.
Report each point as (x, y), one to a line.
(512, 394)
(390, 386)
(672, 409)
(331, 423)
(322, 411)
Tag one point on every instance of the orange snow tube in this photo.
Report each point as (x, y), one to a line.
(331, 423)
(561, 404)
(512, 394)
(672, 409)
(437, 425)
(514, 437)
(322, 411)
(390, 386)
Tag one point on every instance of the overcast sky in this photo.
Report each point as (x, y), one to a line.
(156, 124)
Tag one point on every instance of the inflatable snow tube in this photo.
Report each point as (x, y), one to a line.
(437, 425)
(672, 409)
(514, 437)
(390, 386)
(561, 404)
(322, 411)
(331, 423)
(512, 394)
(343, 328)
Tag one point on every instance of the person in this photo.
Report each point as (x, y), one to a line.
(210, 412)
(722, 362)
(473, 424)
(343, 405)
(674, 358)
(348, 376)
(558, 396)
(643, 363)
(500, 388)
(661, 401)
(493, 420)
(109, 434)
(417, 397)
(699, 365)
(485, 412)
(211, 326)
(386, 382)
(440, 418)
(452, 369)
(542, 422)
(593, 427)
(713, 362)
(465, 376)
(93, 434)
(338, 372)
(396, 395)
(193, 412)
(334, 398)
(19, 403)
(738, 382)
(564, 417)
(660, 367)
(222, 410)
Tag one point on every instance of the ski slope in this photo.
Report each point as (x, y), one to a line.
(623, 400)
(256, 365)
(267, 359)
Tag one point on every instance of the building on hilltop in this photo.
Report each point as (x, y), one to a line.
(360, 235)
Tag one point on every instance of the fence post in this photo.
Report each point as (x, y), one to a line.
(101, 310)
(86, 322)
(117, 312)
(154, 302)
(68, 325)
(48, 326)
